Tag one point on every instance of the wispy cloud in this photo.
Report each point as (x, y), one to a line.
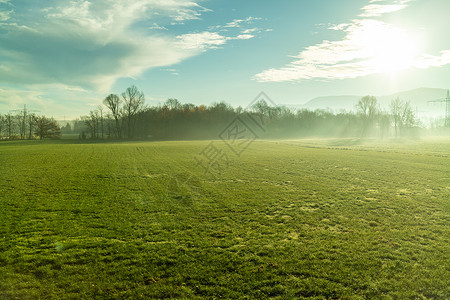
(245, 28)
(5, 15)
(240, 22)
(377, 8)
(201, 41)
(207, 40)
(45, 99)
(171, 71)
(428, 60)
(9, 98)
(157, 27)
(91, 44)
(369, 46)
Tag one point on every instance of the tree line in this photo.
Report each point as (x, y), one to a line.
(25, 125)
(127, 117)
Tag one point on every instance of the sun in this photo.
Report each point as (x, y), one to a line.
(386, 48)
(395, 52)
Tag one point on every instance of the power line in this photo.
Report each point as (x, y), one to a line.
(26, 113)
(445, 100)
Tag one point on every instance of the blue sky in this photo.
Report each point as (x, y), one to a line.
(63, 57)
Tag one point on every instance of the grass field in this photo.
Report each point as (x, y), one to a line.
(329, 219)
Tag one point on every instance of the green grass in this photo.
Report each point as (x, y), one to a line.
(329, 219)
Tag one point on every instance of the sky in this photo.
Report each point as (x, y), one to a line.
(63, 57)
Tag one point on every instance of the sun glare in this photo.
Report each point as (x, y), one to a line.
(387, 49)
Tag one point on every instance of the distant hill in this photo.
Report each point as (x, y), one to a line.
(333, 102)
(418, 99)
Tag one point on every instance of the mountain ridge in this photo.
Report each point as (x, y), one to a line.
(418, 98)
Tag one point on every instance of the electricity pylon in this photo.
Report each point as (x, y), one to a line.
(445, 100)
(24, 114)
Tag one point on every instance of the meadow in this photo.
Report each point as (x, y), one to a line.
(291, 219)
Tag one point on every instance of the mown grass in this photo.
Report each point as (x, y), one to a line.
(323, 219)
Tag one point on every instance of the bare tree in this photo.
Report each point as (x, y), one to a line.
(9, 120)
(133, 103)
(173, 104)
(93, 123)
(384, 121)
(396, 108)
(367, 108)
(102, 126)
(24, 121)
(113, 102)
(2, 125)
(30, 125)
(22, 118)
(109, 125)
(402, 115)
(261, 107)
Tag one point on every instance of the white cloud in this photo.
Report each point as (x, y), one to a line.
(250, 30)
(427, 60)
(45, 100)
(10, 97)
(74, 89)
(157, 27)
(213, 39)
(91, 44)
(201, 41)
(243, 37)
(5, 15)
(340, 27)
(376, 10)
(391, 1)
(207, 40)
(369, 47)
(240, 22)
(119, 14)
(185, 13)
(15, 99)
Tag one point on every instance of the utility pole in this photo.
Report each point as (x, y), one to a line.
(24, 113)
(445, 100)
(22, 120)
